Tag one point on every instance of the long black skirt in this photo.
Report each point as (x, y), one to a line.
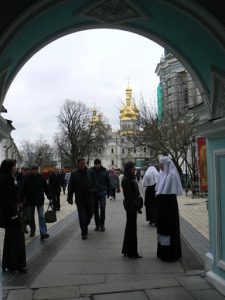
(151, 204)
(168, 228)
(14, 251)
(130, 236)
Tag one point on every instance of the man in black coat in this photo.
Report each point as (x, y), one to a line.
(33, 189)
(101, 191)
(82, 184)
(55, 183)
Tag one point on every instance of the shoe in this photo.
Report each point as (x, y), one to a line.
(44, 236)
(22, 270)
(97, 228)
(102, 228)
(32, 234)
(84, 236)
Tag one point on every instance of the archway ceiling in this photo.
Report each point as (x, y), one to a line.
(192, 30)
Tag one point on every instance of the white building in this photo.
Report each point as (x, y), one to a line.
(119, 149)
(8, 148)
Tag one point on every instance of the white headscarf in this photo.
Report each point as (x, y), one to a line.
(169, 180)
(151, 177)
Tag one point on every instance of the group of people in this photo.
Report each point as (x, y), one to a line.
(91, 187)
(162, 189)
(20, 193)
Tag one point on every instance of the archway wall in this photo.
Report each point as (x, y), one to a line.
(193, 44)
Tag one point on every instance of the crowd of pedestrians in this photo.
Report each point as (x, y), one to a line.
(23, 192)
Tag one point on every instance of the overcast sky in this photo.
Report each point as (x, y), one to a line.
(91, 66)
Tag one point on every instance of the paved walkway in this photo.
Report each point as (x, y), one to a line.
(69, 268)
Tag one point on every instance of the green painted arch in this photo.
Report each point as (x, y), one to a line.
(190, 34)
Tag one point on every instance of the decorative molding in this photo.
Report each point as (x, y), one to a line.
(114, 11)
(218, 93)
(217, 155)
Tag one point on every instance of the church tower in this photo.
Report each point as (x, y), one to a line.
(129, 114)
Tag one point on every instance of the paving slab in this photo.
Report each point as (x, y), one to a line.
(122, 296)
(51, 280)
(22, 294)
(210, 294)
(175, 293)
(56, 293)
(193, 282)
(139, 277)
(127, 286)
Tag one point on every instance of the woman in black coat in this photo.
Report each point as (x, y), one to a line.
(131, 193)
(14, 253)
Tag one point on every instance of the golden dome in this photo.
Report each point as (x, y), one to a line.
(129, 110)
(95, 117)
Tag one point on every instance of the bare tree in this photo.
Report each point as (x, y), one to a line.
(37, 152)
(171, 136)
(78, 136)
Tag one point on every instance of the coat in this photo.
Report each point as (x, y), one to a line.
(8, 201)
(55, 183)
(102, 182)
(131, 193)
(82, 183)
(33, 189)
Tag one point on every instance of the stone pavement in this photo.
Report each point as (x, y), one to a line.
(95, 269)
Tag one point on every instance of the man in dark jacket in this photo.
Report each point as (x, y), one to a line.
(82, 183)
(55, 183)
(33, 190)
(102, 189)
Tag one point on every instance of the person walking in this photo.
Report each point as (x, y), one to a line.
(33, 189)
(14, 252)
(138, 175)
(23, 211)
(82, 184)
(114, 184)
(55, 183)
(101, 191)
(150, 179)
(131, 193)
(168, 224)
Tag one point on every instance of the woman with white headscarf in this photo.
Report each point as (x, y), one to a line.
(150, 180)
(168, 226)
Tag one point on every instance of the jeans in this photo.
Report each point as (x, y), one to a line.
(41, 217)
(100, 203)
(85, 214)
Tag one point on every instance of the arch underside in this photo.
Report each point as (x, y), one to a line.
(194, 36)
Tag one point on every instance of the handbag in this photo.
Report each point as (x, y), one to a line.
(50, 215)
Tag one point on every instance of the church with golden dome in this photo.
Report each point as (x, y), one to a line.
(119, 148)
(129, 114)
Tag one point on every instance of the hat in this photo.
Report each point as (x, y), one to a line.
(34, 167)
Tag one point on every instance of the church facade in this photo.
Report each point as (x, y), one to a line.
(119, 148)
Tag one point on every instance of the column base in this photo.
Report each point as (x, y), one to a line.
(216, 281)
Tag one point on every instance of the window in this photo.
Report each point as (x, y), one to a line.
(144, 149)
(112, 150)
(134, 150)
(99, 151)
(123, 150)
(112, 162)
